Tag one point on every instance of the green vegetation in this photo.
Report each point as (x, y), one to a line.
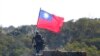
(81, 35)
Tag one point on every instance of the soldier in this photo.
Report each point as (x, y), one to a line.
(39, 43)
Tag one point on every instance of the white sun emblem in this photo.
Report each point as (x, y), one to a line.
(46, 15)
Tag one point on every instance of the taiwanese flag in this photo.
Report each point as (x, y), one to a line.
(49, 21)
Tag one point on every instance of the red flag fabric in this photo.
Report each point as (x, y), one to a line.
(49, 21)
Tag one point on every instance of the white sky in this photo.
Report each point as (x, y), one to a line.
(25, 12)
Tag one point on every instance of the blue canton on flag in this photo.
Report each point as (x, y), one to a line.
(45, 15)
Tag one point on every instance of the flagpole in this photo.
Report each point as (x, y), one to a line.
(37, 21)
(38, 16)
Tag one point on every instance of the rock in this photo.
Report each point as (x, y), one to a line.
(63, 53)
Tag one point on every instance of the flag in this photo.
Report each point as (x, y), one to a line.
(49, 21)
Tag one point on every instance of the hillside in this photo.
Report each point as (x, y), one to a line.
(81, 35)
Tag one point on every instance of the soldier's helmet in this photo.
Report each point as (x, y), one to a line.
(37, 32)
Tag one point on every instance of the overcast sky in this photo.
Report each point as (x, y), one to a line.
(25, 12)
